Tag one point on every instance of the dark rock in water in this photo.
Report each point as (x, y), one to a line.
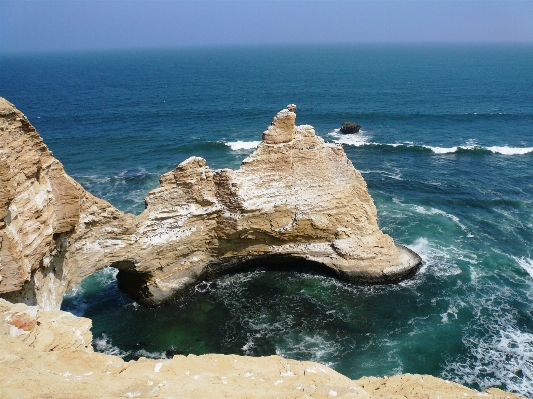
(350, 127)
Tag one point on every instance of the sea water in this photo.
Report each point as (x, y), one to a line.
(446, 150)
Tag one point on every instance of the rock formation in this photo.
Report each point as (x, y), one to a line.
(350, 128)
(43, 212)
(295, 197)
(47, 354)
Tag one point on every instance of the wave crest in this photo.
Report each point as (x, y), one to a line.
(360, 140)
(242, 145)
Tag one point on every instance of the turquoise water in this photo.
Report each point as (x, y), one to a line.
(447, 153)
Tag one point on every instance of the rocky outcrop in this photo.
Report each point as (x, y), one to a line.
(350, 128)
(295, 197)
(45, 354)
(43, 212)
(44, 330)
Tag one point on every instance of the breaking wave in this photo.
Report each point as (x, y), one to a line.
(526, 264)
(362, 139)
(242, 145)
(357, 140)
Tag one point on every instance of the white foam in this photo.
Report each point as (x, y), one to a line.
(89, 179)
(356, 139)
(526, 264)
(437, 259)
(472, 145)
(313, 348)
(435, 211)
(504, 356)
(242, 145)
(452, 311)
(361, 139)
(106, 276)
(505, 150)
(76, 292)
(249, 345)
(442, 150)
(396, 175)
(133, 172)
(104, 345)
(150, 355)
(204, 286)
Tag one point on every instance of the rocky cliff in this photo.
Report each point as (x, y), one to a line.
(47, 354)
(43, 212)
(295, 197)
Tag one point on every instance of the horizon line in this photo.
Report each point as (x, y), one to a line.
(264, 44)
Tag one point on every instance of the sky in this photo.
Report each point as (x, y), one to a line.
(46, 25)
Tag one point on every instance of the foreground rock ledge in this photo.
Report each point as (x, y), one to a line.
(295, 197)
(47, 354)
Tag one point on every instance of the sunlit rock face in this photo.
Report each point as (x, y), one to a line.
(43, 214)
(294, 197)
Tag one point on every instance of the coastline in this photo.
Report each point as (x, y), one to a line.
(63, 237)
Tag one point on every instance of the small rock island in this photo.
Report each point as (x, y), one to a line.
(350, 128)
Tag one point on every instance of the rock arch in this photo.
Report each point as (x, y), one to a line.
(295, 196)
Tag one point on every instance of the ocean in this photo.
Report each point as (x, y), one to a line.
(446, 149)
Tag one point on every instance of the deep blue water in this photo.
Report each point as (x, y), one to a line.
(447, 153)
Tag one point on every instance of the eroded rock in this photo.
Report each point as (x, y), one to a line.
(43, 212)
(295, 197)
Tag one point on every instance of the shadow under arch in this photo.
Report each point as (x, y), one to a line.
(278, 263)
(139, 285)
(134, 283)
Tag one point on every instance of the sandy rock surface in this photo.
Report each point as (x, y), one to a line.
(47, 354)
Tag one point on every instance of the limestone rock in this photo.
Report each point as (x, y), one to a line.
(281, 130)
(295, 197)
(45, 330)
(43, 211)
(65, 367)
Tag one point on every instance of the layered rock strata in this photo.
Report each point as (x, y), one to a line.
(295, 197)
(43, 212)
(46, 354)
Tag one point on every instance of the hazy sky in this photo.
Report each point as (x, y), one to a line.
(72, 25)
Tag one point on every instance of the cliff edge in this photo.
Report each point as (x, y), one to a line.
(47, 354)
(296, 197)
